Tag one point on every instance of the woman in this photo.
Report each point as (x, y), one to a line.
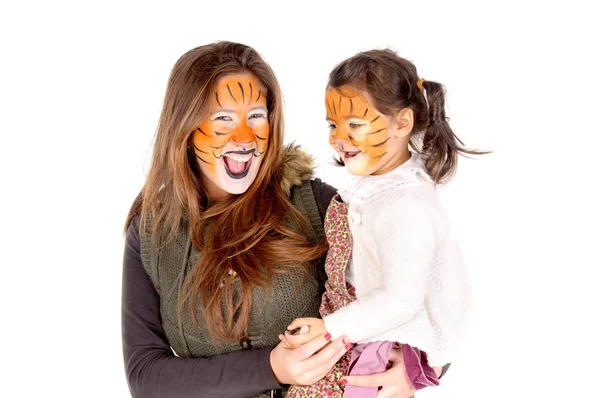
(224, 244)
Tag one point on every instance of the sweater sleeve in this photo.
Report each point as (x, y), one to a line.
(151, 368)
(323, 194)
(405, 240)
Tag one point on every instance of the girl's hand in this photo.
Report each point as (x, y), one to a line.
(309, 363)
(393, 382)
(309, 329)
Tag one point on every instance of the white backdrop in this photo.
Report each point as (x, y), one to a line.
(81, 86)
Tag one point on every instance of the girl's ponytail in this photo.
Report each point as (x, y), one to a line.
(441, 146)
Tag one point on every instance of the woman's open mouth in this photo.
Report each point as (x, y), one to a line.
(237, 163)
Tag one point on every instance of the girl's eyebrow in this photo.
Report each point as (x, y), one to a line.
(347, 117)
(224, 110)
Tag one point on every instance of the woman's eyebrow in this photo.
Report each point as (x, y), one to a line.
(258, 108)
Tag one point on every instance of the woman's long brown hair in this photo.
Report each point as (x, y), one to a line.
(249, 234)
(391, 83)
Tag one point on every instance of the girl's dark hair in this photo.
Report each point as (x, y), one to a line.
(391, 83)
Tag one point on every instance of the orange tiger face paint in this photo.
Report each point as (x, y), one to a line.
(231, 142)
(358, 133)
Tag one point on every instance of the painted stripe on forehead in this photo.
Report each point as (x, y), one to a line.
(230, 93)
(366, 111)
(250, 99)
(351, 106)
(217, 95)
(257, 98)
(329, 107)
(242, 89)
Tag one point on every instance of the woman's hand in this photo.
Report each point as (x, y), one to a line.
(393, 382)
(308, 363)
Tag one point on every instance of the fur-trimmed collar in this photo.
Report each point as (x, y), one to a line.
(295, 167)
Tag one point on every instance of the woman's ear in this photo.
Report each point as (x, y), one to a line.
(403, 123)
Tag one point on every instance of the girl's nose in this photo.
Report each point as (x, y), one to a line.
(339, 141)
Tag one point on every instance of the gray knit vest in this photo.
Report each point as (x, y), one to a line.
(293, 294)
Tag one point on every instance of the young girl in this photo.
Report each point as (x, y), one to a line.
(395, 270)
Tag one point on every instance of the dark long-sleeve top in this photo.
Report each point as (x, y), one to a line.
(151, 367)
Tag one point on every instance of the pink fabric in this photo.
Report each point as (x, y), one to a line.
(374, 357)
(368, 359)
(420, 374)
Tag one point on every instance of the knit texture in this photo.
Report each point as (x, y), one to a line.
(411, 281)
(293, 294)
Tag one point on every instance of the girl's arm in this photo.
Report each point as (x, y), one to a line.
(404, 235)
(153, 370)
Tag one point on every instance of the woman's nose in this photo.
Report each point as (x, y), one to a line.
(243, 134)
(242, 144)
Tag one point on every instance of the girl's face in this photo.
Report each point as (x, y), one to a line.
(230, 143)
(367, 141)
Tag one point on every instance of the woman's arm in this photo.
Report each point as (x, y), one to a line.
(323, 194)
(153, 370)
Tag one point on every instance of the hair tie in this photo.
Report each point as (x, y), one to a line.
(420, 84)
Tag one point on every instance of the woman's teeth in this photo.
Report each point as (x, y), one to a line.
(239, 158)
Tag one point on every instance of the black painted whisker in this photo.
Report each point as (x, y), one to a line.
(198, 156)
(375, 132)
(199, 150)
(380, 144)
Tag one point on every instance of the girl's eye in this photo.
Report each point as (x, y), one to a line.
(355, 125)
(257, 116)
(224, 118)
(332, 126)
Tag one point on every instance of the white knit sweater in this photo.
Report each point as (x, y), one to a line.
(411, 282)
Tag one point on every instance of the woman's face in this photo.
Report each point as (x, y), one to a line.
(359, 134)
(231, 142)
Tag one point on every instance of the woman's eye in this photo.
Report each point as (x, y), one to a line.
(257, 116)
(355, 125)
(224, 118)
